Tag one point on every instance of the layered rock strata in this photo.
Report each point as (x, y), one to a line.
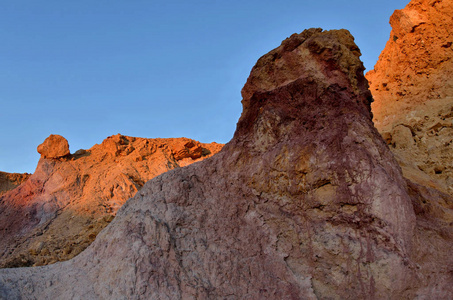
(9, 181)
(305, 202)
(59, 211)
(412, 84)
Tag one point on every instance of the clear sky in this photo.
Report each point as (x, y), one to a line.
(88, 69)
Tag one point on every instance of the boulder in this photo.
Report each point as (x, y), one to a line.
(55, 146)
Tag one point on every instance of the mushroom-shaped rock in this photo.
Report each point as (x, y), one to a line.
(54, 146)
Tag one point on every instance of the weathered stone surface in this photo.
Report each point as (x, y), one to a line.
(412, 84)
(416, 64)
(54, 146)
(305, 202)
(59, 211)
(9, 181)
(189, 149)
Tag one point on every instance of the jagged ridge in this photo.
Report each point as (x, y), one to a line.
(59, 211)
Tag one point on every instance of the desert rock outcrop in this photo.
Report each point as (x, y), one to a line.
(412, 84)
(9, 181)
(54, 146)
(305, 202)
(61, 208)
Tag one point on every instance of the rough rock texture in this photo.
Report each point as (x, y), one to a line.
(59, 211)
(412, 84)
(9, 181)
(305, 202)
(187, 149)
(54, 146)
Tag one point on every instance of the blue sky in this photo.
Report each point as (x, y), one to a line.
(90, 69)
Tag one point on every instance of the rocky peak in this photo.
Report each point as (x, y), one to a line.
(327, 58)
(306, 110)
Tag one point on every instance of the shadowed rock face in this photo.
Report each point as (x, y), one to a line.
(59, 211)
(9, 181)
(305, 202)
(412, 84)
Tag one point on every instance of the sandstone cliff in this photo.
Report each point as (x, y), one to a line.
(412, 84)
(59, 211)
(306, 201)
(9, 181)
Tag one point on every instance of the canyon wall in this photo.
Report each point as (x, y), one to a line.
(412, 85)
(305, 202)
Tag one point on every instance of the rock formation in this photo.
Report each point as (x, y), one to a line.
(54, 146)
(9, 181)
(306, 201)
(412, 84)
(59, 211)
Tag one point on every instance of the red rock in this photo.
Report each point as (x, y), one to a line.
(58, 212)
(188, 149)
(54, 146)
(415, 67)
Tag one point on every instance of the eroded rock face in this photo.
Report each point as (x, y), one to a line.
(305, 202)
(54, 146)
(412, 84)
(59, 211)
(188, 149)
(9, 181)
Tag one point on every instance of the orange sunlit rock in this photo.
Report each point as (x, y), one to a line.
(412, 87)
(416, 65)
(54, 146)
(59, 211)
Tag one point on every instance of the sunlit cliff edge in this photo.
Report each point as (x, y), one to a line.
(60, 209)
